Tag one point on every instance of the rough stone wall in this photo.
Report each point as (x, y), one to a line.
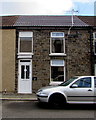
(79, 55)
(41, 59)
(77, 59)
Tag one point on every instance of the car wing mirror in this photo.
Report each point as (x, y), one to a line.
(74, 86)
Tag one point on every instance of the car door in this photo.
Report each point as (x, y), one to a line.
(82, 91)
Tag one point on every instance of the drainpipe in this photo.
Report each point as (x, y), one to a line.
(72, 20)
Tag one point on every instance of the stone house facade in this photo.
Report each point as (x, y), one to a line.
(42, 50)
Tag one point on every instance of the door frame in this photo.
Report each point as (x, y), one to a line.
(19, 61)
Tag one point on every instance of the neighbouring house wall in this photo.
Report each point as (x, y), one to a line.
(8, 59)
(0, 60)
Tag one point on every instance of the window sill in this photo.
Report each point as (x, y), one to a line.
(25, 55)
(57, 54)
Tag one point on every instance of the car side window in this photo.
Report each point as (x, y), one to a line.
(84, 82)
(95, 82)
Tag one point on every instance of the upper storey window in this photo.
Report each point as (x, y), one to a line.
(57, 45)
(25, 42)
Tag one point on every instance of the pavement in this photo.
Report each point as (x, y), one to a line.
(18, 97)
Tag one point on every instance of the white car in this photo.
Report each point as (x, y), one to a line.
(79, 89)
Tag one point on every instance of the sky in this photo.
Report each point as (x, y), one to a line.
(47, 7)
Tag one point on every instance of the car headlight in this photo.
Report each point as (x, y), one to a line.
(40, 90)
(42, 93)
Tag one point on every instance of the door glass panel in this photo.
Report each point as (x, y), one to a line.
(27, 72)
(94, 89)
(22, 71)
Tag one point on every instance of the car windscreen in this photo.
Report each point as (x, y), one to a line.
(68, 81)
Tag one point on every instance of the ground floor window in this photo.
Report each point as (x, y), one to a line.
(57, 71)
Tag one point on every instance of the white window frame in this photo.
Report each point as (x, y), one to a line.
(94, 35)
(94, 42)
(53, 63)
(57, 36)
(25, 34)
(94, 69)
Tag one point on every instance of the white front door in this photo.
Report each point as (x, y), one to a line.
(25, 76)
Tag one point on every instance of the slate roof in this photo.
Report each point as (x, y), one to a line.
(48, 21)
(8, 20)
(80, 21)
(91, 20)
